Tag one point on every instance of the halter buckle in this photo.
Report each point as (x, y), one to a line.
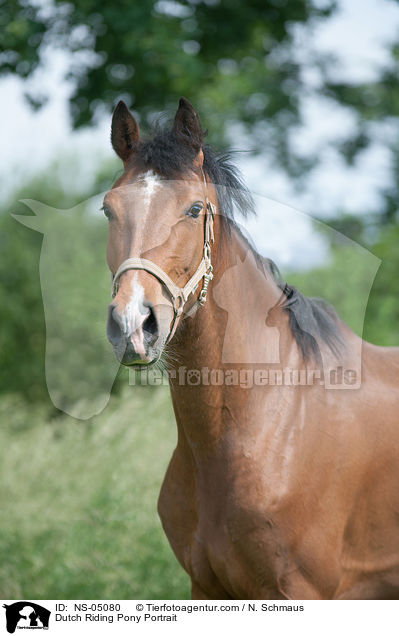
(204, 291)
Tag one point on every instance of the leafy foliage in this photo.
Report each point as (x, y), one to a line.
(375, 105)
(76, 280)
(382, 318)
(236, 61)
(342, 282)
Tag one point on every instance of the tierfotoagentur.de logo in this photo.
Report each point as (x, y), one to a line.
(26, 615)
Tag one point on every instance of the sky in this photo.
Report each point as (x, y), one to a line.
(358, 34)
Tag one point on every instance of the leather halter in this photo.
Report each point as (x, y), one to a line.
(179, 295)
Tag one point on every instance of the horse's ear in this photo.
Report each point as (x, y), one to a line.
(187, 126)
(124, 131)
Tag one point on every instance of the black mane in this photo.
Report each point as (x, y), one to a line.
(311, 319)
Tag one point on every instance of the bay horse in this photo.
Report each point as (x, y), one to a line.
(284, 489)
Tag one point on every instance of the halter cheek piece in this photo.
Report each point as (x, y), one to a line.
(179, 295)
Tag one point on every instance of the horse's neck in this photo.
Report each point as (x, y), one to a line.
(241, 327)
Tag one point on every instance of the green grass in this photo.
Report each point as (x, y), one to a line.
(78, 501)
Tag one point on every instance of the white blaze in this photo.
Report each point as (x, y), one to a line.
(151, 182)
(135, 312)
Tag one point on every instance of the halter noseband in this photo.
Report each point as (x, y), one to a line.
(179, 295)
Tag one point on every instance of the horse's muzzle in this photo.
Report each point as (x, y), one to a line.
(133, 347)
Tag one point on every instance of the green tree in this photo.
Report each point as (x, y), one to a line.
(237, 61)
(344, 282)
(376, 107)
(76, 280)
(382, 317)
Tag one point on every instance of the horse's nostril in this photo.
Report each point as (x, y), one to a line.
(150, 327)
(114, 331)
(135, 343)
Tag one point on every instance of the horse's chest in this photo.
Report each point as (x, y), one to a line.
(232, 540)
(239, 550)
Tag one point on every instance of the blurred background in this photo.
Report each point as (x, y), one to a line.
(309, 90)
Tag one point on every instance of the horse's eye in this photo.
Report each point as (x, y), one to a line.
(195, 209)
(107, 212)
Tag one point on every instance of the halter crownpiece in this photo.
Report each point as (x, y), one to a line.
(179, 295)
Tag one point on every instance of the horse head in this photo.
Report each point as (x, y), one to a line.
(161, 216)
